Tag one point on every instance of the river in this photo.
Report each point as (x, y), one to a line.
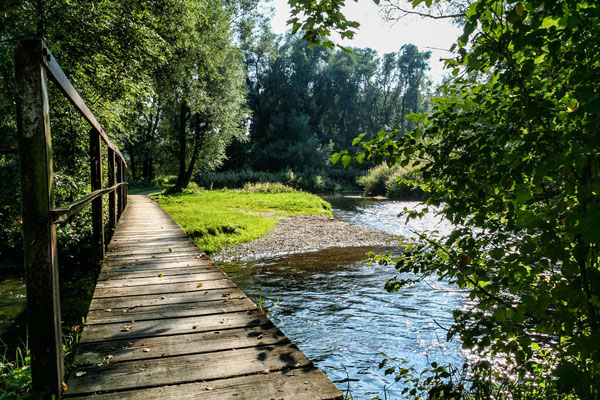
(336, 309)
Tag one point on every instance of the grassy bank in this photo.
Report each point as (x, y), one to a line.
(217, 219)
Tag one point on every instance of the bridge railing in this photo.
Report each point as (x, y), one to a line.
(34, 64)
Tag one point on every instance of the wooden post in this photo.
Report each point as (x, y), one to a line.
(120, 190)
(97, 209)
(112, 196)
(125, 188)
(39, 234)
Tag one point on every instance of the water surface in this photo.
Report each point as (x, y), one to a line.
(336, 309)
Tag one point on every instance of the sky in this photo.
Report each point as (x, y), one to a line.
(385, 37)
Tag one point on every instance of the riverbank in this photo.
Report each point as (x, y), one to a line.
(252, 223)
(218, 219)
(304, 233)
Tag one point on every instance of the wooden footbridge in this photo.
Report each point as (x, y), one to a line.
(164, 322)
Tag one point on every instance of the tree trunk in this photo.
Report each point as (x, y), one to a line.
(198, 136)
(181, 184)
(132, 166)
(148, 162)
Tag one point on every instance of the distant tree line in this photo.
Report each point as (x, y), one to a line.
(308, 103)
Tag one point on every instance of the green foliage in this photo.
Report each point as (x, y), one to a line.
(390, 181)
(222, 218)
(15, 372)
(307, 103)
(314, 183)
(15, 375)
(511, 154)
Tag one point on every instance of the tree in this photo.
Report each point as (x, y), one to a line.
(203, 86)
(511, 155)
(308, 102)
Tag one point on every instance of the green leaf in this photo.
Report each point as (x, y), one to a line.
(346, 159)
(549, 22)
(335, 158)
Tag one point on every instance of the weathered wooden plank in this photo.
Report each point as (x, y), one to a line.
(153, 223)
(173, 268)
(148, 242)
(149, 239)
(164, 245)
(150, 251)
(295, 384)
(160, 280)
(164, 311)
(165, 289)
(203, 323)
(163, 263)
(177, 345)
(191, 368)
(143, 257)
(166, 233)
(172, 298)
(149, 273)
(149, 231)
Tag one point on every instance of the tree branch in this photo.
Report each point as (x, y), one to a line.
(406, 13)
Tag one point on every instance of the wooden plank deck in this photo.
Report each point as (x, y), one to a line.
(165, 323)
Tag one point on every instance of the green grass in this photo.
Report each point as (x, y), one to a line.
(218, 219)
(15, 372)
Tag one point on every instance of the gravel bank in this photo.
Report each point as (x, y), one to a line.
(303, 233)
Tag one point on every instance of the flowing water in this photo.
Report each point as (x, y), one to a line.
(12, 305)
(336, 309)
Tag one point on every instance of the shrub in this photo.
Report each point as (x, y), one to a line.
(192, 188)
(307, 181)
(374, 182)
(389, 181)
(164, 181)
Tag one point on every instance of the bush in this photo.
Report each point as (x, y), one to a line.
(164, 181)
(192, 188)
(389, 181)
(306, 181)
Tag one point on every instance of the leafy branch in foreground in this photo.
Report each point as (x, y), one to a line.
(511, 154)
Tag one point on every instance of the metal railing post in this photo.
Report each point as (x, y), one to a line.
(39, 234)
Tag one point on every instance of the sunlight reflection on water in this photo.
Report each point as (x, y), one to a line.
(338, 312)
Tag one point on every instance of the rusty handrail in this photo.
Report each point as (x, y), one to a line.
(63, 213)
(57, 75)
